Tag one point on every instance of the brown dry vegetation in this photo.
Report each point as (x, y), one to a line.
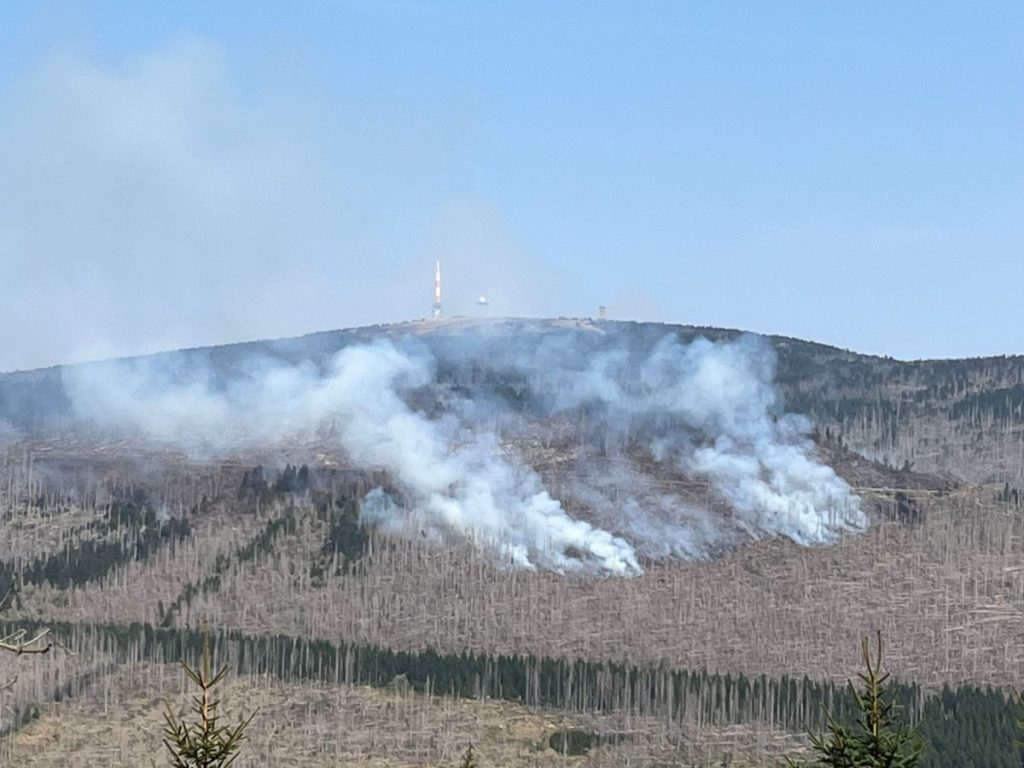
(947, 593)
(940, 572)
(305, 725)
(945, 587)
(945, 590)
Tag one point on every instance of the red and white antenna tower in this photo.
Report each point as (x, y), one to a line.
(438, 311)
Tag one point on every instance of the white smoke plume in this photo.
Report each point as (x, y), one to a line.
(434, 414)
(461, 483)
(712, 410)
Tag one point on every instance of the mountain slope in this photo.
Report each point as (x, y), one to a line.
(962, 418)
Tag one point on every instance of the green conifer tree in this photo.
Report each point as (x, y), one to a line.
(204, 743)
(876, 739)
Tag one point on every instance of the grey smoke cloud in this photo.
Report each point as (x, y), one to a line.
(459, 480)
(433, 414)
(712, 410)
(151, 202)
(148, 206)
(709, 409)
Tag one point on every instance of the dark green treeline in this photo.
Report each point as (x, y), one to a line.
(966, 727)
(124, 533)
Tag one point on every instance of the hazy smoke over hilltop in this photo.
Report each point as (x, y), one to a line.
(431, 413)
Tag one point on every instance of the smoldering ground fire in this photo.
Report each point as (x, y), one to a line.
(445, 414)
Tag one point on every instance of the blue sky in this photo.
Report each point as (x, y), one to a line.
(187, 173)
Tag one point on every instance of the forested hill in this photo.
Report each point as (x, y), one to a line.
(964, 418)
